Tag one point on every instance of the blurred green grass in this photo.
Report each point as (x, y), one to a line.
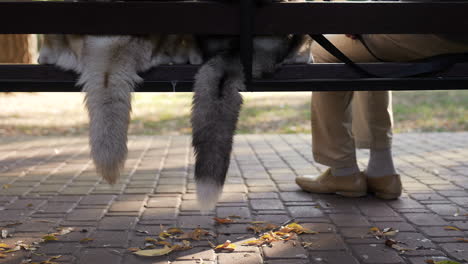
(169, 113)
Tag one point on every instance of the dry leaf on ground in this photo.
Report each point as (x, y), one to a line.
(154, 252)
(451, 228)
(430, 261)
(49, 237)
(228, 246)
(223, 221)
(5, 246)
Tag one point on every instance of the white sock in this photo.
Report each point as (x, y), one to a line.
(347, 171)
(380, 163)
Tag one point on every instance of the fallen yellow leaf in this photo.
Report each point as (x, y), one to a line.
(164, 235)
(50, 237)
(154, 252)
(4, 246)
(174, 230)
(226, 246)
(185, 245)
(223, 221)
(86, 240)
(256, 242)
(150, 240)
(451, 228)
(298, 229)
(235, 216)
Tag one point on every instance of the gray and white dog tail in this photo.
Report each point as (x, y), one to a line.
(109, 76)
(215, 111)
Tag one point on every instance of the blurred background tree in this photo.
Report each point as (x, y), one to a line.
(18, 48)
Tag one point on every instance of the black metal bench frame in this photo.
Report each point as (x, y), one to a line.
(137, 17)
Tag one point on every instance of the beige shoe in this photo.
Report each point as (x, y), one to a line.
(386, 187)
(349, 186)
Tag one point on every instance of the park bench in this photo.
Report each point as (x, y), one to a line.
(243, 19)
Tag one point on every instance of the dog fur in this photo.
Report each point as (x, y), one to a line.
(108, 67)
(217, 101)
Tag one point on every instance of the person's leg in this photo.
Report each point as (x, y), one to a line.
(333, 143)
(372, 113)
(372, 129)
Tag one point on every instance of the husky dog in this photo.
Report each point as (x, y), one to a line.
(108, 67)
(217, 101)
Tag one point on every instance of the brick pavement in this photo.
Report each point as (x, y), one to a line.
(47, 183)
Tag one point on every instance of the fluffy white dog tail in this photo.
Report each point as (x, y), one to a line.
(108, 78)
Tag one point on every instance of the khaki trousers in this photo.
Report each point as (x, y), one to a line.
(344, 121)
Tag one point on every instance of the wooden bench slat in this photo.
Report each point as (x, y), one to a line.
(136, 17)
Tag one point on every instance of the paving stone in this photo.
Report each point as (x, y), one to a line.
(405, 203)
(267, 165)
(446, 209)
(378, 254)
(423, 260)
(401, 226)
(133, 259)
(57, 208)
(263, 195)
(462, 201)
(304, 211)
(170, 189)
(63, 259)
(286, 250)
(163, 202)
(426, 219)
(296, 197)
(159, 213)
(457, 250)
(85, 215)
(266, 204)
(97, 200)
(239, 258)
(109, 239)
(319, 227)
(376, 208)
(233, 197)
(14, 215)
(324, 241)
(427, 196)
(126, 206)
(37, 225)
(233, 228)
(414, 240)
(438, 231)
(243, 212)
(98, 255)
(25, 204)
(205, 253)
(65, 199)
(461, 224)
(195, 221)
(349, 220)
(59, 248)
(272, 218)
(117, 223)
(332, 257)
(289, 261)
